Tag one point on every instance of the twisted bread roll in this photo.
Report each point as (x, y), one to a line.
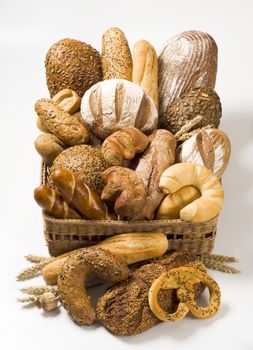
(123, 144)
(52, 202)
(80, 195)
(188, 174)
(126, 189)
(145, 69)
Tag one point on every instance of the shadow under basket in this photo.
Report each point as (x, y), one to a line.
(64, 235)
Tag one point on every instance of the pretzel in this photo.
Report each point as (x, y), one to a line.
(183, 280)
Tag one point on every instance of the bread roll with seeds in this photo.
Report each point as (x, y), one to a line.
(210, 147)
(49, 147)
(116, 55)
(115, 104)
(85, 161)
(145, 69)
(187, 61)
(72, 64)
(63, 125)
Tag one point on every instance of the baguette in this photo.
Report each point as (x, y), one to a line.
(145, 69)
(80, 195)
(52, 202)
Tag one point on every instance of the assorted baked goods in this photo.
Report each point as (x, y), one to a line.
(127, 140)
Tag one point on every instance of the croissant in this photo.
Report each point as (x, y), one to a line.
(188, 174)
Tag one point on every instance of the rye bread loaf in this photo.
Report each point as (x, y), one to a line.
(159, 155)
(210, 147)
(145, 69)
(114, 104)
(187, 61)
(116, 55)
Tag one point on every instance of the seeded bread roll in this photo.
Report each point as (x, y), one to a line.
(116, 55)
(210, 147)
(199, 102)
(85, 161)
(72, 64)
(115, 104)
(187, 61)
(62, 124)
(145, 69)
(49, 147)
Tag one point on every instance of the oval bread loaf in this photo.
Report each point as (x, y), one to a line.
(116, 56)
(114, 104)
(187, 61)
(145, 69)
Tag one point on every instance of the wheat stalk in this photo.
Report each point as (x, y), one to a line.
(31, 272)
(188, 126)
(39, 290)
(36, 259)
(216, 262)
(30, 299)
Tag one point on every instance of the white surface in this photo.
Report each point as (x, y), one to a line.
(28, 28)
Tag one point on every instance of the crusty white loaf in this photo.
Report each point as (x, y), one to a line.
(145, 68)
(187, 61)
(188, 174)
(115, 104)
(210, 147)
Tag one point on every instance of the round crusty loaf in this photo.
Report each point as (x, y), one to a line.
(72, 64)
(116, 55)
(85, 161)
(187, 61)
(113, 104)
(210, 147)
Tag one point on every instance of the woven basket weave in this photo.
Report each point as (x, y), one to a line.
(63, 235)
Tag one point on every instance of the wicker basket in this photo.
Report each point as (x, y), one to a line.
(63, 235)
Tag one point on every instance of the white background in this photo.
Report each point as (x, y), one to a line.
(28, 29)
